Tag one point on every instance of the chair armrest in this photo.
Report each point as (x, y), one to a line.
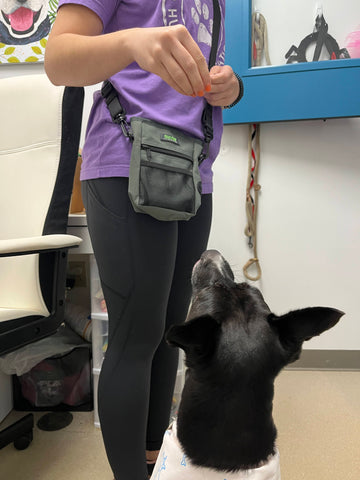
(29, 245)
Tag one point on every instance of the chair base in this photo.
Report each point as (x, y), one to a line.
(20, 433)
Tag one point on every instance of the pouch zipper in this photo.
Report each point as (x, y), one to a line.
(165, 151)
(167, 168)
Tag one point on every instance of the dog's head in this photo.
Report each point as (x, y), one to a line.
(22, 18)
(230, 328)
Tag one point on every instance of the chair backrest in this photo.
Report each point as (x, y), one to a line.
(39, 140)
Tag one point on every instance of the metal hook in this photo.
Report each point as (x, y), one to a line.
(257, 14)
(319, 10)
(319, 17)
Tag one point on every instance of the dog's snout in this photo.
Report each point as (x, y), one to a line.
(207, 258)
(213, 255)
(211, 267)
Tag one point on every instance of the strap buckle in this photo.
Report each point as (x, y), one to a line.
(117, 111)
(208, 130)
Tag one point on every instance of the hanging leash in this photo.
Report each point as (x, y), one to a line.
(252, 195)
(259, 40)
(259, 50)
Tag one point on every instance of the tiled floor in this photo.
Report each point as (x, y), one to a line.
(317, 415)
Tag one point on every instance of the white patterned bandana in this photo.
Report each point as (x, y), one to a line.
(173, 464)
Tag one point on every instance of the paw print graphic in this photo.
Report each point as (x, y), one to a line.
(162, 467)
(201, 15)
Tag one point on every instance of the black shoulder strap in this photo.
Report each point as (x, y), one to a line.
(215, 34)
(207, 123)
(118, 113)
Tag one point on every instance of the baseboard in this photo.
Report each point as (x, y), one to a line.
(327, 360)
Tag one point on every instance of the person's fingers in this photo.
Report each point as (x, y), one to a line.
(224, 86)
(197, 66)
(217, 100)
(221, 75)
(184, 62)
(171, 53)
(173, 74)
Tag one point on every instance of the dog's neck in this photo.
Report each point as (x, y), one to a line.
(227, 429)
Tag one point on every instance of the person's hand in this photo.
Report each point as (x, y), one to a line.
(172, 53)
(224, 86)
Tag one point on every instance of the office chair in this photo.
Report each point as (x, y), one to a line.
(39, 140)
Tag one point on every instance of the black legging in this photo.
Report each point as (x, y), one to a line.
(145, 269)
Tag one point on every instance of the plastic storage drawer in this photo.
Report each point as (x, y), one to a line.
(99, 337)
(96, 373)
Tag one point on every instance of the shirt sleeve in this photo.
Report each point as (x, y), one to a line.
(104, 9)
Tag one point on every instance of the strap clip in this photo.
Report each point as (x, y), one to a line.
(117, 111)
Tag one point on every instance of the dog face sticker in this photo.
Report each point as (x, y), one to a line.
(24, 28)
(23, 22)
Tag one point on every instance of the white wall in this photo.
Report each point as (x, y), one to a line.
(308, 219)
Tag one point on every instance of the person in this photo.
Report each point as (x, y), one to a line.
(156, 55)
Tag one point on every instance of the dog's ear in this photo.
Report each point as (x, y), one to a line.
(297, 326)
(198, 334)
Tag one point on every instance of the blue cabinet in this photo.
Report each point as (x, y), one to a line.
(299, 91)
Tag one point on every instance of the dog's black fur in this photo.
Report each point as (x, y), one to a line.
(235, 347)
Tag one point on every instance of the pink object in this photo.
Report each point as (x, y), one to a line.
(352, 43)
(21, 19)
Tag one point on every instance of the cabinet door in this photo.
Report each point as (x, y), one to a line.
(295, 91)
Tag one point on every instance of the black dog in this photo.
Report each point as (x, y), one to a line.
(235, 347)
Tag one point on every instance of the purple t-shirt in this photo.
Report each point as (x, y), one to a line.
(106, 151)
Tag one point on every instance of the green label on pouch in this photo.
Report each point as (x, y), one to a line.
(165, 137)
